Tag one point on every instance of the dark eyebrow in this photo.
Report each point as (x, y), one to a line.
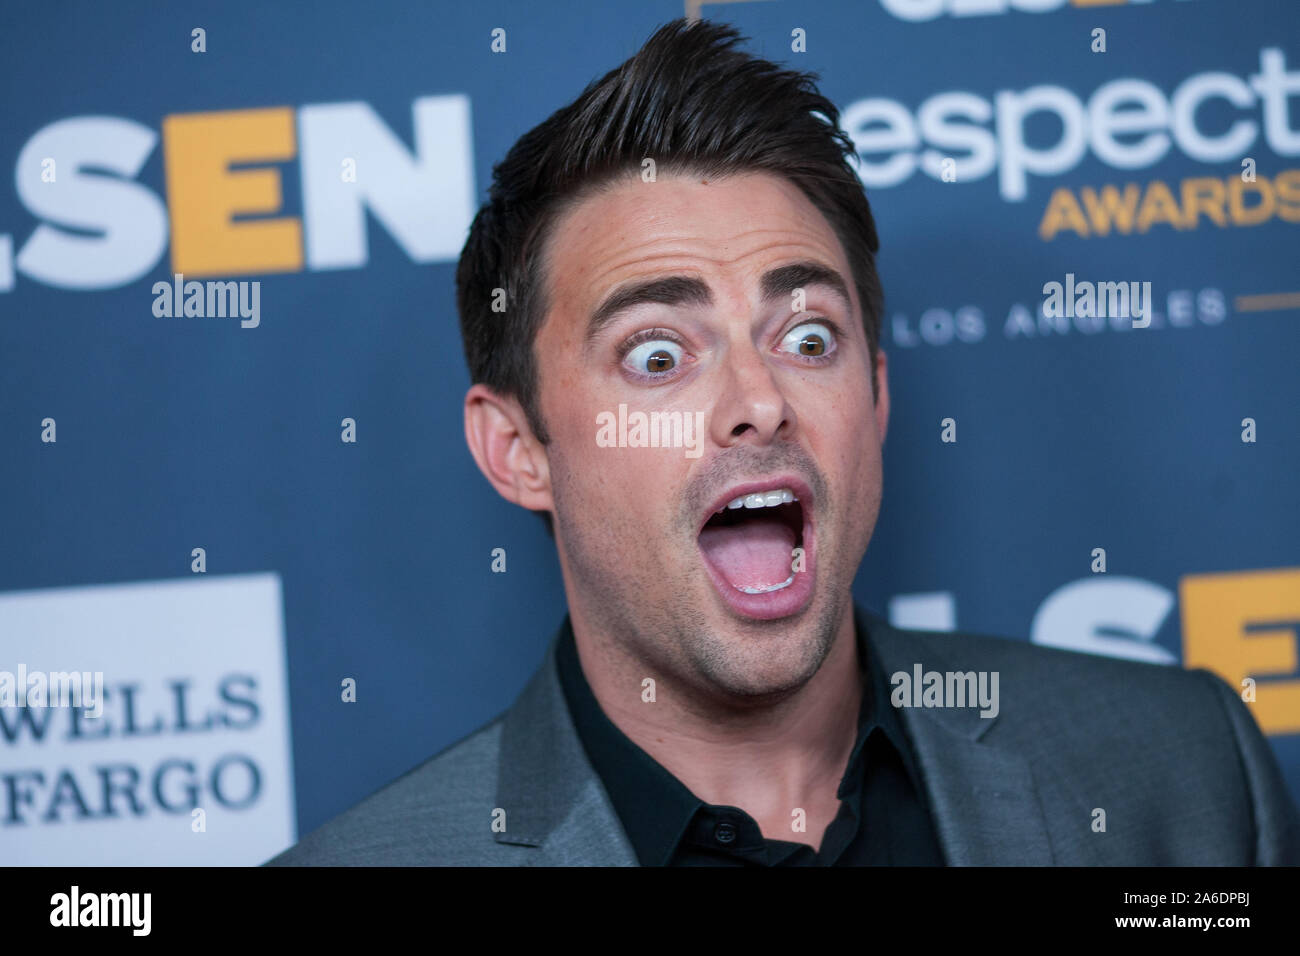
(781, 282)
(776, 283)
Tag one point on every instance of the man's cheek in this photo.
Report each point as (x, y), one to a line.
(576, 423)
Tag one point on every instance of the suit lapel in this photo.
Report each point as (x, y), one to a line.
(983, 799)
(552, 798)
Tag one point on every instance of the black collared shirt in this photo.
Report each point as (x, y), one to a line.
(883, 817)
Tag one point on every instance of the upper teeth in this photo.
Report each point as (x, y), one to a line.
(762, 499)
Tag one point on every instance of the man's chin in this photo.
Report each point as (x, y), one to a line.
(762, 659)
(763, 676)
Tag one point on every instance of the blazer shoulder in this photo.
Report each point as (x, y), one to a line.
(1276, 821)
(438, 812)
(1171, 749)
(1052, 694)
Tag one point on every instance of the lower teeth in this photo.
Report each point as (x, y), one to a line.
(774, 587)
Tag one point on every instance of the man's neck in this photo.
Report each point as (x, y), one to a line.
(768, 761)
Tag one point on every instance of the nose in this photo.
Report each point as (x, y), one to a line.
(752, 406)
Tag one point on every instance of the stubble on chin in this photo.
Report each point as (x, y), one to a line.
(764, 664)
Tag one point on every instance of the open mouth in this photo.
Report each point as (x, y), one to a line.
(756, 547)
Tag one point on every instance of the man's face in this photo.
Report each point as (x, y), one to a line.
(746, 602)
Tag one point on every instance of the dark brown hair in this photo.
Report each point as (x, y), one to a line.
(695, 104)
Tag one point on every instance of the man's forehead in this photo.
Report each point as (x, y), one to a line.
(635, 233)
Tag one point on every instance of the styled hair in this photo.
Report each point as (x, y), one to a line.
(697, 105)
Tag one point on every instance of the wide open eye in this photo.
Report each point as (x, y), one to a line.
(809, 339)
(654, 357)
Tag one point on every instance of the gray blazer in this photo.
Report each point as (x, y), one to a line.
(1172, 756)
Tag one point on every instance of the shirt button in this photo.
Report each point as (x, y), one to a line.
(725, 833)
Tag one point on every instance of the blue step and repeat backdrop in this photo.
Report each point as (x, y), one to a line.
(187, 529)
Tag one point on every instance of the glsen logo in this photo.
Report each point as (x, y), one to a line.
(101, 229)
(1242, 625)
(917, 10)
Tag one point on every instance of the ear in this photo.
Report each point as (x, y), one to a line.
(882, 403)
(505, 450)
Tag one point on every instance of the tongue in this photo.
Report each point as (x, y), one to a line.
(753, 554)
